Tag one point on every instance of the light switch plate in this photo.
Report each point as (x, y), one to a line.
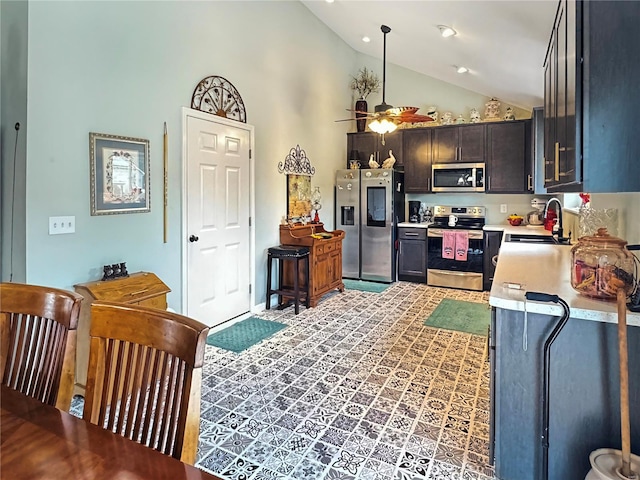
(61, 225)
(503, 208)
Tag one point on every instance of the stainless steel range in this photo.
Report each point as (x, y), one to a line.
(454, 247)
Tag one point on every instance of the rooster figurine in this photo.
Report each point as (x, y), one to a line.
(389, 162)
(373, 163)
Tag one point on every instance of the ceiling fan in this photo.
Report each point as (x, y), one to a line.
(386, 118)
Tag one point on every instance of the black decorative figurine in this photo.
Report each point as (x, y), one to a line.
(117, 270)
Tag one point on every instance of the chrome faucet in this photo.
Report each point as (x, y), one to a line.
(546, 207)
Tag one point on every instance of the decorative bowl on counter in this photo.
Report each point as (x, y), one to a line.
(600, 265)
(515, 220)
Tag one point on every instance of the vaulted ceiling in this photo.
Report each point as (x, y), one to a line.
(502, 43)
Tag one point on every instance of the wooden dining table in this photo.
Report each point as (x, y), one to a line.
(38, 441)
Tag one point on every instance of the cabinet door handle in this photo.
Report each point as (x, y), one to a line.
(529, 182)
(488, 182)
(411, 234)
(556, 174)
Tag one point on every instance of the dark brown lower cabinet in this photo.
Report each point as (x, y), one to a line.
(492, 241)
(412, 256)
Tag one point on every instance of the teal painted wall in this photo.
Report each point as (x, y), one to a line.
(13, 108)
(125, 68)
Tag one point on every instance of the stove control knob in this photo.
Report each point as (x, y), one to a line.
(385, 174)
(368, 174)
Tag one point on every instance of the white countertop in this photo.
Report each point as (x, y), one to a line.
(522, 229)
(546, 268)
(415, 225)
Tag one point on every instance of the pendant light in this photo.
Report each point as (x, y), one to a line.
(383, 123)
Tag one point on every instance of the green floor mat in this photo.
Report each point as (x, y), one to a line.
(364, 286)
(470, 317)
(244, 334)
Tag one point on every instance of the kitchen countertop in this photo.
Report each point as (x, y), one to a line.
(521, 230)
(415, 225)
(546, 268)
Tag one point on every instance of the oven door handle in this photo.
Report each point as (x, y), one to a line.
(439, 232)
(457, 274)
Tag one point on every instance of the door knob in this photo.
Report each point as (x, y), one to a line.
(193, 238)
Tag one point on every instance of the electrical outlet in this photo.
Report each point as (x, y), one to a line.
(61, 225)
(503, 208)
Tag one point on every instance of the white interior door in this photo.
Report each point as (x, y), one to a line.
(217, 213)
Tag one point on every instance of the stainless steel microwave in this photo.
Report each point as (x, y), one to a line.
(457, 177)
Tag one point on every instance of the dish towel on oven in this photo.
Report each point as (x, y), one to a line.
(462, 245)
(448, 244)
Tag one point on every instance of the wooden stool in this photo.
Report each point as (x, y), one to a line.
(282, 253)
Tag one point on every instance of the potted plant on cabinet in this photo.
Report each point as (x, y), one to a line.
(364, 83)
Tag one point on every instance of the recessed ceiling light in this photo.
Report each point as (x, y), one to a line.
(446, 31)
(329, 1)
(462, 69)
(366, 39)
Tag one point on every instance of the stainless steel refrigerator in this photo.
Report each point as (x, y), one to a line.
(369, 206)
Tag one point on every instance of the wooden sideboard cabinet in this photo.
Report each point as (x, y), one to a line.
(325, 259)
(141, 288)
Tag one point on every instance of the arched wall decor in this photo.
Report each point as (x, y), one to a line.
(296, 163)
(218, 96)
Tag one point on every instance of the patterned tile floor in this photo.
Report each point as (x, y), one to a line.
(354, 389)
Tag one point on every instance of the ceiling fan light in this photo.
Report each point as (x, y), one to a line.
(382, 126)
(446, 31)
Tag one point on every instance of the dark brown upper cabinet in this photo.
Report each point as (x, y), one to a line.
(509, 157)
(459, 144)
(416, 151)
(591, 140)
(367, 143)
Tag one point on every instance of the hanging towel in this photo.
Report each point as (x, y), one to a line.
(462, 245)
(448, 244)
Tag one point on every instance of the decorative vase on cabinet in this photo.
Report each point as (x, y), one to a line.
(361, 122)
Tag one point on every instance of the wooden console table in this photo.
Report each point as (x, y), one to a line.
(325, 258)
(141, 288)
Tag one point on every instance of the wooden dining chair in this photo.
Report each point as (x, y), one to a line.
(38, 328)
(144, 377)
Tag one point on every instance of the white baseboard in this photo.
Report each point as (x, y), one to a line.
(255, 309)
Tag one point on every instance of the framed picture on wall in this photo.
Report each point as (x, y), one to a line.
(298, 197)
(119, 174)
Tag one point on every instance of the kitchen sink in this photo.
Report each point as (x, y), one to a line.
(524, 238)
